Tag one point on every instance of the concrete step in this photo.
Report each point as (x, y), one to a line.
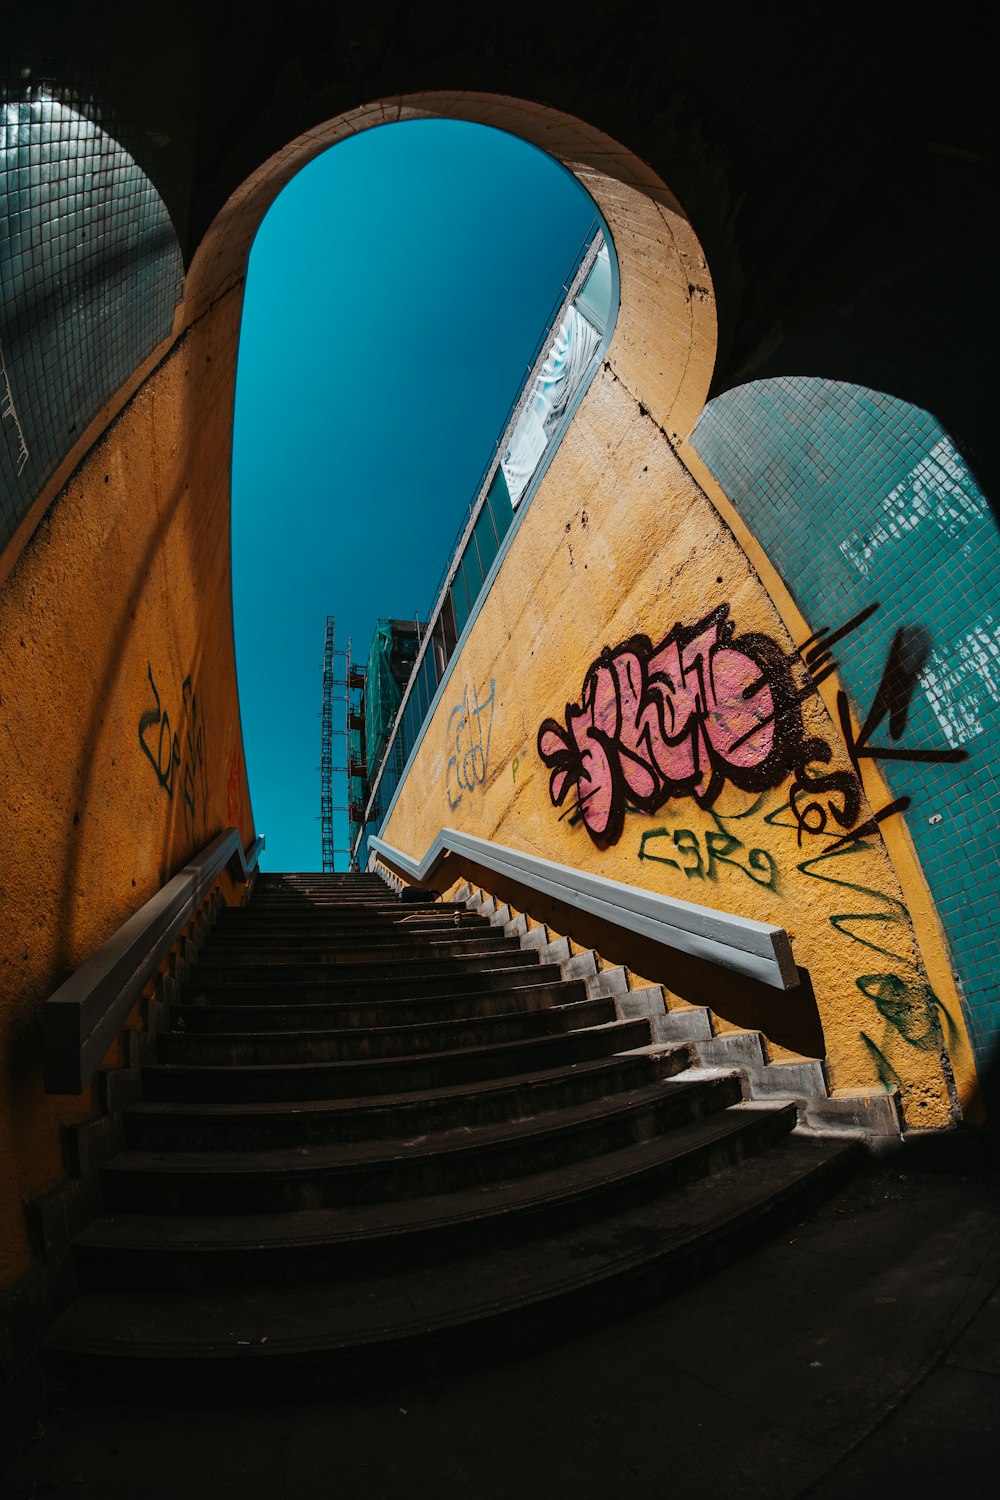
(270, 990)
(374, 1132)
(338, 1080)
(285, 933)
(295, 879)
(393, 967)
(261, 1248)
(259, 955)
(282, 1181)
(320, 902)
(406, 939)
(378, 913)
(251, 1127)
(497, 1300)
(292, 1016)
(413, 1040)
(387, 902)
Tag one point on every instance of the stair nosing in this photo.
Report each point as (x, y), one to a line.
(457, 1143)
(388, 1218)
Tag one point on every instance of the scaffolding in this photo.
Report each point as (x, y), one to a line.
(351, 697)
(357, 758)
(390, 663)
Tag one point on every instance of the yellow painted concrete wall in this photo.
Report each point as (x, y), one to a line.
(118, 609)
(622, 540)
(119, 721)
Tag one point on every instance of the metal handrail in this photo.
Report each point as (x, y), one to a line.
(85, 1014)
(756, 949)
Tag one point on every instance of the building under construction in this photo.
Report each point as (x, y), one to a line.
(376, 692)
(343, 728)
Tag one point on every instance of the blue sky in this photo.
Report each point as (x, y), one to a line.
(395, 293)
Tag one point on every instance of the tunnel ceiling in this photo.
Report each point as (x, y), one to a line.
(833, 171)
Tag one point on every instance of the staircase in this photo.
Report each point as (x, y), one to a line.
(379, 1136)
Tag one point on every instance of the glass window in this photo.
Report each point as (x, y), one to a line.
(427, 686)
(486, 539)
(441, 652)
(409, 728)
(473, 572)
(433, 675)
(501, 509)
(594, 300)
(448, 628)
(460, 601)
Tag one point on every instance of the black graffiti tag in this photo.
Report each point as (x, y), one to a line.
(171, 761)
(148, 720)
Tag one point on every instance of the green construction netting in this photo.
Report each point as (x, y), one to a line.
(356, 785)
(382, 695)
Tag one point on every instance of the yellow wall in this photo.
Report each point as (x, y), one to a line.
(118, 609)
(121, 599)
(622, 540)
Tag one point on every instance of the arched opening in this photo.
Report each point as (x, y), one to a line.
(426, 304)
(127, 678)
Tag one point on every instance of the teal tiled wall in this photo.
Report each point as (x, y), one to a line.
(860, 499)
(90, 274)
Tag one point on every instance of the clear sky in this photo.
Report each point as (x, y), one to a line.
(395, 294)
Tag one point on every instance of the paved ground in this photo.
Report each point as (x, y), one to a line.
(858, 1355)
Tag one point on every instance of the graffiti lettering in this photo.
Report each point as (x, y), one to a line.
(167, 759)
(469, 743)
(148, 720)
(908, 654)
(905, 1001)
(703, 708)
(910, 1005)
(8, 413)
(706, 708)
(720, 847)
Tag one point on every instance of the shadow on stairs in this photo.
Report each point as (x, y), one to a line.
(382, 1136)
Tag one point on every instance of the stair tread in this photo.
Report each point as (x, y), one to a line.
(411, 1028)
(414, 1300)
(354, 1222)
(456, 998)
(210, 1020)
(541, 973)
(611, 1029)
(403, 956)
(325, 1212)
(351, 1155)
(310, 952)
(495, 1086)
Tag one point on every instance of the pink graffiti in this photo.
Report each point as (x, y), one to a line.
(678, 719)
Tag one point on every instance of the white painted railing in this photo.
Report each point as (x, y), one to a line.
(738, 943)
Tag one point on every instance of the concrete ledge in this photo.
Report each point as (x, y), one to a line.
(875, 1117)
(84, 1015)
